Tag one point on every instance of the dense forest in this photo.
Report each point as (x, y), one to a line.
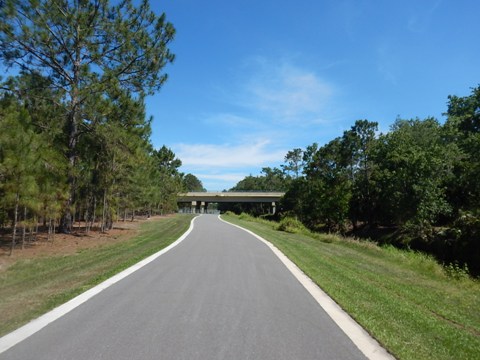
(74, 136)
(417, 186)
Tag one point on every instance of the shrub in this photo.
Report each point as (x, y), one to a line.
(291, 225)
(457, 272)
(245, 216)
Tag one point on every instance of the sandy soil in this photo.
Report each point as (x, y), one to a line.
(64, 244)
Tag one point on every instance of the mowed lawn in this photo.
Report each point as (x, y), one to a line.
(406, 300)
(29, 288)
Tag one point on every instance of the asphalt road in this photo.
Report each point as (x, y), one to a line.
(219, 294)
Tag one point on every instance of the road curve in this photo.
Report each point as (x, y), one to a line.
(219, 294)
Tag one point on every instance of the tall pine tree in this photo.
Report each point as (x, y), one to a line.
(85, 48)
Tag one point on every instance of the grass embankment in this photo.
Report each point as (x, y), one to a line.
(407, 301)
(32, 287)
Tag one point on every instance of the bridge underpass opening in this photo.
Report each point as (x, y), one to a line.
(197, 202)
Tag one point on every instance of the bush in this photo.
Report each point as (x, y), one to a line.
(456, 271)
(291, 225)
(245, 216)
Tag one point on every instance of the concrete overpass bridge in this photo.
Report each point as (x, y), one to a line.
(199, 200)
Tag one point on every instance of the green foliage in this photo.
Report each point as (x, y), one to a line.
(413, 164)
(74, 136)
(245, 216)
(291, 225)
(94, 46)
(465, 111)
(357, 148)
(269, 180)
(167, 179)
(294, 162)
(328, 189)
(191, 183)
(457, 272)
(18, 159)
(420, 178)
(295, 199)
(463, 240)
(463, 129)
(101, 59)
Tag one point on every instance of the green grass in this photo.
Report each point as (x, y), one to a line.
(406, 300)
(30, 288)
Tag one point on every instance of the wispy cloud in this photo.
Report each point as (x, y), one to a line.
(228, 156)
(271, 105)
(220, 181)
(285, 92)
(419, 21)
(231, 177)
(221, 166)
(231, 120)
(387, 64)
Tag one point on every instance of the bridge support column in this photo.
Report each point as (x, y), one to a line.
(202, 207)
(273, 208)
(194, 207)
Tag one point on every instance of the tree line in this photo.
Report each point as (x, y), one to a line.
(416, 186)
(74, 135)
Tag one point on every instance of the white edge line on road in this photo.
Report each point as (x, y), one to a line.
(13, 338)
(362, 339)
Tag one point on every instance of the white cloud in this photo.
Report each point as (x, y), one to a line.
(286, 92)
(228, 156)
(231, 120)
(273, 105)
(230, 177)
(222, 166)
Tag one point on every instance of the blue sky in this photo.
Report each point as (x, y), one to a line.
(255, 79)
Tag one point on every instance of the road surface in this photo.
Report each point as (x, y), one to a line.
(219, 294)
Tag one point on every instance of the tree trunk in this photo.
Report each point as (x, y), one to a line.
(117, 216)
(87, 221)
(79, 218)
(49, 231)
(104, 220)
(72, 134)
(24, 227)
(73, 219)
(15, 218)
(92, 223)
(30, 235)
(34, 230)
(53, 233)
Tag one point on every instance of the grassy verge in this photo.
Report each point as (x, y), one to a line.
(30, 288)
(407, 301)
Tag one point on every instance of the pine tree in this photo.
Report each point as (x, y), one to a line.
(86, 48)
(19, 161)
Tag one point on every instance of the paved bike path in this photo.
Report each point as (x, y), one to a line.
(219, 294)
